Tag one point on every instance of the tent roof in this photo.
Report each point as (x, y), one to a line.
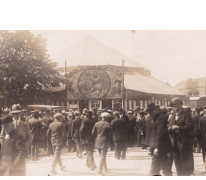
(90, 51)
(148, 84)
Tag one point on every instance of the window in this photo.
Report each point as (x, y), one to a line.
(145, 103)
(117, 104)
(95, 104)
(156, 101)
(159, 103)
(72, 102)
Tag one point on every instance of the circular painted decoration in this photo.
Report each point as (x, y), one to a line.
(94, 83)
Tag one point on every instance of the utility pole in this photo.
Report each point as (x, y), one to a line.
(123, 95)
(65, 72)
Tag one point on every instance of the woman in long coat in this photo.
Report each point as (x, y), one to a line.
(148, 128)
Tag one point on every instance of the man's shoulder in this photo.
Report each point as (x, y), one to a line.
(203, 118)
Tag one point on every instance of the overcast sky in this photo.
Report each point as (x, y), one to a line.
(170, 55)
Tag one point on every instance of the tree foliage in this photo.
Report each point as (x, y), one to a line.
(25, 67)
(192, 87)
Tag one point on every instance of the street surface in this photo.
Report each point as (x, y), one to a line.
(137, 163)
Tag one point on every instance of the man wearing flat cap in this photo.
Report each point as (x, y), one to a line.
(57, 134)
(14, 151)
(102, 133)
(119, 132)
(75, 132)
(160, 143)
(36, 132)
(181, 129)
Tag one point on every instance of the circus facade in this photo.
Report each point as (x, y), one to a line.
(100, 77)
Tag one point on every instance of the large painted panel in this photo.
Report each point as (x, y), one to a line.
(95, 84)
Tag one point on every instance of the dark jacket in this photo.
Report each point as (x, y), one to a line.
(160, 134)
(56, 133)
(202, 131)
(196, 120)
(36, 128)
(102, 133)
(95, 118)
(185, 133)
(14, 153)
(86, 131)
(76, 124)
(47, 120)
(125, 117)
(132, 123)
(119, 129)
(68, 127)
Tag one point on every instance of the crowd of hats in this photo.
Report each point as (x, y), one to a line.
(16, 108)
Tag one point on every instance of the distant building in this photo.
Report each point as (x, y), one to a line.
(95, 79)
(201, 82)
(198, 101)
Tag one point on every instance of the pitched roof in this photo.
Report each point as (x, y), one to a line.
(148, 84)
(200, 81)
(90, 51)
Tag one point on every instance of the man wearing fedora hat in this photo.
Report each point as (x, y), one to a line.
(22, 128)
(36, 132)
(181, 132)
(160, 143)
(57, 134)
(14, 151)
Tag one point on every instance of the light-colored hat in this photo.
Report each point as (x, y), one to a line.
(16, 108)
(105, 115)
(57, 115)
(76, 112)
(129, 112)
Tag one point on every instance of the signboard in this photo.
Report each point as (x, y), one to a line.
(95, 83)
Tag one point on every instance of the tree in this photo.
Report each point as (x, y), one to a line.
(192, 87)
(25, 67)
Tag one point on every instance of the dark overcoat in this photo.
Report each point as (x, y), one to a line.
(102, 133)
(76, 124)
(14, 153)
(86, 131)
(119, 129)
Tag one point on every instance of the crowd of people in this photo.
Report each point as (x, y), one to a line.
(172, 134)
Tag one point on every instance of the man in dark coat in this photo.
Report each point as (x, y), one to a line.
(202, 135)
(57, 134)
(14, 151)
(94, 115)
(119, 131)
(87, 139)
(181, 127)
(196, 120)
(68, 127)
(160, 144)
(36, 129)
(131, 128)
(102, 133)
(75, 132)
(47, 143)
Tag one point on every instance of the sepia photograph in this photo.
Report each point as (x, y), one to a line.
(94, 102)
